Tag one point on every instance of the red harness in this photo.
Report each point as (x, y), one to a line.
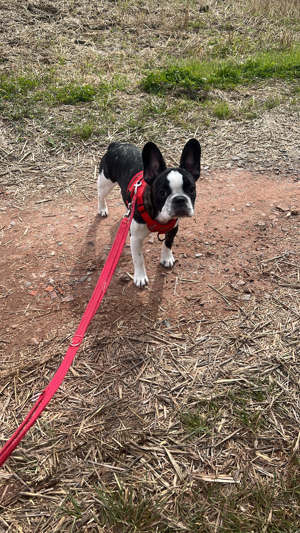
(153, 225)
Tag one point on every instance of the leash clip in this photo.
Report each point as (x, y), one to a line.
(137, 185)
(129, 206)
(127, 215)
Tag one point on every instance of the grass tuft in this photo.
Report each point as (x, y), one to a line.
(222, 111)
(74, 94)
(128, 510)
(194, 422)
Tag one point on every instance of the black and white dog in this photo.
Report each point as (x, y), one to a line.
(168, 193)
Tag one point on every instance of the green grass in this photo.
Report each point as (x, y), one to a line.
(195, 423)
(129, 510)
(49, 90)
(85, 131)
(222, 110)
(196, 76)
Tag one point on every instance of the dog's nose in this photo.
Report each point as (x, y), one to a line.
(179, 200)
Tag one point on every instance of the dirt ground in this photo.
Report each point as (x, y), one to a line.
(149, 354)
(53, 249)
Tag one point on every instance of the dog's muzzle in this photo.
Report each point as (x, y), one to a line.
(181, 207)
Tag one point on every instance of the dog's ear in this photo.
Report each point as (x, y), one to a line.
(190, 158)
(153, 161)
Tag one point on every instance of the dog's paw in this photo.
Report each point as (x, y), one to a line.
(167, 258)
(140, 280)
(103, 212)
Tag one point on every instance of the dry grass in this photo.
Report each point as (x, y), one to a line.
(193, 428)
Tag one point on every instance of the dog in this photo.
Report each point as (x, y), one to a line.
(168, 194)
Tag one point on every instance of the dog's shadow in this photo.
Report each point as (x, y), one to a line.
(122, 292)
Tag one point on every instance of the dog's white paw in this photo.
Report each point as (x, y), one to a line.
(167, 258)
(140, 280)
(103, 212)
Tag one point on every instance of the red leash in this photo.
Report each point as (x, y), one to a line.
(99, 291)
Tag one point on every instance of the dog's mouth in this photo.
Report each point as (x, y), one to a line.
(181, 213)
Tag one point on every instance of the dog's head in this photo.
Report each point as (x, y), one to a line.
(173, 190)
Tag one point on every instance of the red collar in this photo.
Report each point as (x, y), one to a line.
(153, 225)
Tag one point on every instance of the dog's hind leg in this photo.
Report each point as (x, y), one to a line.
(104, 187)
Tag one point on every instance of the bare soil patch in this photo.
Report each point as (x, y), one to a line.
(53, 251)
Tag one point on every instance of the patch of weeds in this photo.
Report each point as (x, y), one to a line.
(129, 510)
(11, 86)
(271, 102)
(222, 111)
(73, 94)
(84, 131)
(19, 112)
(194, 422)
(194, 77)
(185, 78)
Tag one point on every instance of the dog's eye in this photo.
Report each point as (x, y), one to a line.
(162, 192)
(192, 190)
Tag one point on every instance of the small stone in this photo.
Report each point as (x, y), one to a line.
(246, 297)
(248, 205)
(282, 208)
(124, 278)
(68, 298)
(247, 290)
(198, 255)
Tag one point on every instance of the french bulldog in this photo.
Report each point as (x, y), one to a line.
(167, 194)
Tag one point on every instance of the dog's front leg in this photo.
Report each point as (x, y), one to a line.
(138, 232)
(167, 258)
